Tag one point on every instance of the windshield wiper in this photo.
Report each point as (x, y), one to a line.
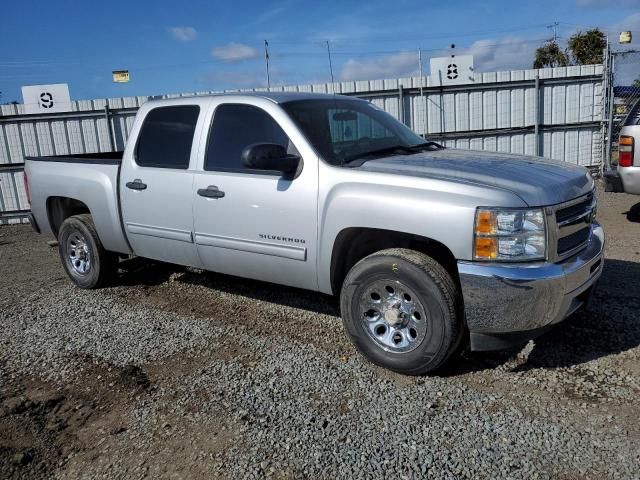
(427, 146)
(393, 150)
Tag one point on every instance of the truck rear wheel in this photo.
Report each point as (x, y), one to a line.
(400, 308)
(83, 257)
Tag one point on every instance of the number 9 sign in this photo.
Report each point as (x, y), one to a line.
(41, 99)
(46, 100)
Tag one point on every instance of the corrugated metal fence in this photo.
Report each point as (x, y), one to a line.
(555, 112)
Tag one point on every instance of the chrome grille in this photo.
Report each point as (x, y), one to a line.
(571, 230)
(573, 240)
(565, 214)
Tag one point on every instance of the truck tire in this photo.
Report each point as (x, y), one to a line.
(83, 257)
(401, 309)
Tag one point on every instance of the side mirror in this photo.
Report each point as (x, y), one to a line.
(270, 156)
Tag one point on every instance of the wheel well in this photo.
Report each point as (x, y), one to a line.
(61, 208)
(353, 244)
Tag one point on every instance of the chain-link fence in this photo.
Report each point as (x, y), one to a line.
(624, 107)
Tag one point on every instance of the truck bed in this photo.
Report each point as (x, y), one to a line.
(90, 178)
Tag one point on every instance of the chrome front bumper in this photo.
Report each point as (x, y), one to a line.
(502, 298)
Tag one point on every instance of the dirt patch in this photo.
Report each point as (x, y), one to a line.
(398, 379)
(46, 428)
(264, 309)
(43, 426)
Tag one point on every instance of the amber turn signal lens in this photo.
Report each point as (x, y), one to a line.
(485, 223)
(626, 140)
(485, 248)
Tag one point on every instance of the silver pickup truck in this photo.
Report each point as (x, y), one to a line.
(427, 247)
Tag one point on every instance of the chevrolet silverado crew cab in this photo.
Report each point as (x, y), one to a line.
(426, 246)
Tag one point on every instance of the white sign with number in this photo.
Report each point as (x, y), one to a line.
(453, 70)
(46, 98)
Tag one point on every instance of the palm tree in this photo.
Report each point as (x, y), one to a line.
(550, 55)
(587, 48)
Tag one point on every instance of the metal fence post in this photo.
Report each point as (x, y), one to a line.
(422, 99)
(107, 116)
(604, 105)
(611, 97)
(536, 125)
(401, 102)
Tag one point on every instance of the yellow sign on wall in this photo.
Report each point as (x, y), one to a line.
(625, 37)
(120, 76)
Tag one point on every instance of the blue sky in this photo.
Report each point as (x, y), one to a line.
(197, 45)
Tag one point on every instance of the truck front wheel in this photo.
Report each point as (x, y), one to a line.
(83, 257)
(400, 308)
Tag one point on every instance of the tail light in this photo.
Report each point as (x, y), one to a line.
(625, 151)
(26, 187)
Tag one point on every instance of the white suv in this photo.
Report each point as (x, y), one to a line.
(629, 159)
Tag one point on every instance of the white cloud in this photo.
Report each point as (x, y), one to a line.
(632, 23)
(183, 34)
(505, 54)
(511, 53)
(234, 52)
(607, 3)
(390, 66)
(489, 55)
(273, 12)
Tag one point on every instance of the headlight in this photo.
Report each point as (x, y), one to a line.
(509, 234)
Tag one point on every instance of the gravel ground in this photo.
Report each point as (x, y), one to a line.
(175, 373)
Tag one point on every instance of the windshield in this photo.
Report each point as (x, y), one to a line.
(343, 129)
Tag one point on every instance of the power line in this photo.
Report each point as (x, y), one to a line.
(306, 53)
(468, 33)
(51, 72)
(285, 54)
(320, 43)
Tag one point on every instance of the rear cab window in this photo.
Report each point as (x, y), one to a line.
(166, 137)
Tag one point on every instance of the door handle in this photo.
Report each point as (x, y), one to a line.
(136, 185)
(211, 192)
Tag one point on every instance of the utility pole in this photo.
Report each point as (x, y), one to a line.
(266, 58)
(554, 27)
(421, 71)
(330, 65)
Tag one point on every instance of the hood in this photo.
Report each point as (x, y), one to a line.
(535, 180)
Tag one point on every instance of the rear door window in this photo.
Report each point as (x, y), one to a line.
(166, 137)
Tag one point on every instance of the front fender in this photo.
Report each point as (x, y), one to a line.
(438, 210)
